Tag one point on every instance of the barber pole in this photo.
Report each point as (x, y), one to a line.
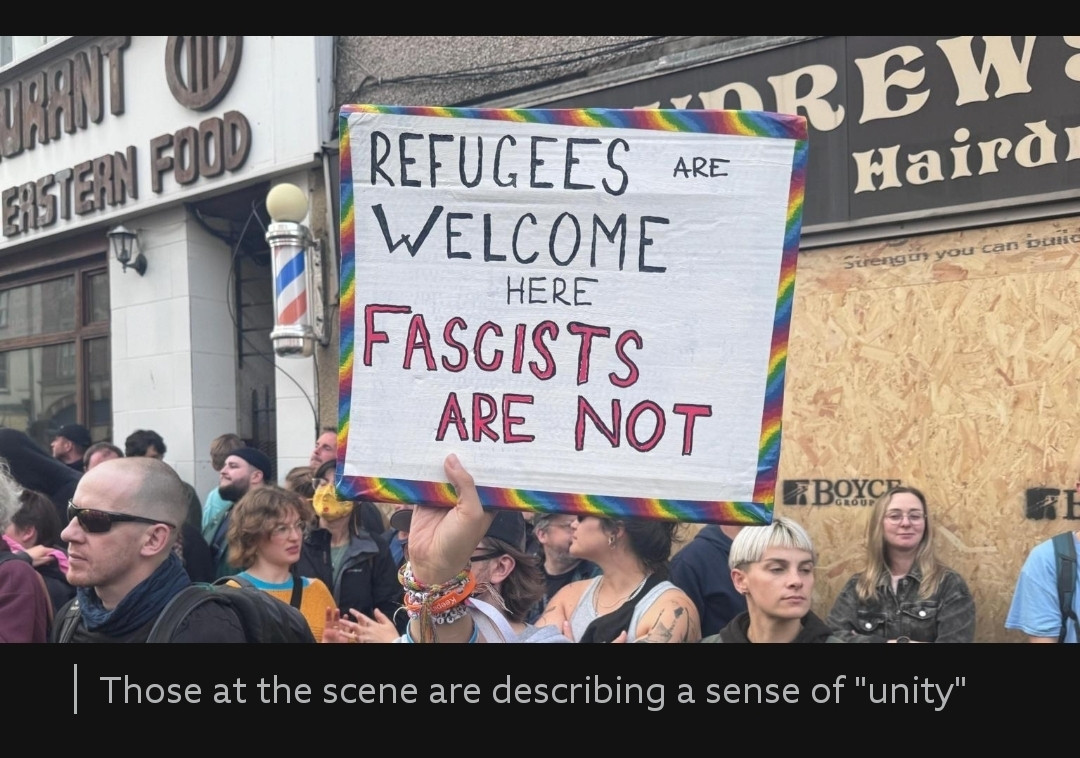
(290, 277)
(290, 242)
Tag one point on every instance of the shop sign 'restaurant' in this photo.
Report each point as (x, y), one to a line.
(68, 95)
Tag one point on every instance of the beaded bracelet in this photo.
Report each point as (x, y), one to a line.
(472, 637)
(438, 604)
(450, 616)
(408, 581)
(435, 604)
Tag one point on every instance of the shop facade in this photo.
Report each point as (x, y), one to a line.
(175, 141)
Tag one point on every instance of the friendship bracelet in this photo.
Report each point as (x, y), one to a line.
(448, 616)
(435, 604)
(440, 603)
(451, 616)
(474, 637)
(408, 581)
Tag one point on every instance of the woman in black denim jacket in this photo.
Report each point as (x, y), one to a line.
(905, 594)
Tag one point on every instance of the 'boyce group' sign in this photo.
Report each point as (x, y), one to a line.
(902, 125)
(589, 307)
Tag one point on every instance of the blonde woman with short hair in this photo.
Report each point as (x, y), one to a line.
(773, 566)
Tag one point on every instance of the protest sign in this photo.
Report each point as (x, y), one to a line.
(589, 307)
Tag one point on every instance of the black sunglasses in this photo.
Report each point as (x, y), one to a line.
(487, 556)
(99, 522)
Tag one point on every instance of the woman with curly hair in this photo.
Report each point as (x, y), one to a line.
(905, 594)
(266, 534)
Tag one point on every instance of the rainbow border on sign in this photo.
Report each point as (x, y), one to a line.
(744, 123)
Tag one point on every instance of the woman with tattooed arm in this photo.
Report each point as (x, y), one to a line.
(631, 601)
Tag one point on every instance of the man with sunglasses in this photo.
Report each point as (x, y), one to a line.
(122, 525)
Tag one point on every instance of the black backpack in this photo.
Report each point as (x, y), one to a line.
(1065, 565)
(263, 616)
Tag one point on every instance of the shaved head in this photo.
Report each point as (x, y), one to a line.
(143, 487)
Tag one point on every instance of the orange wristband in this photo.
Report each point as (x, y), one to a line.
(443, 603)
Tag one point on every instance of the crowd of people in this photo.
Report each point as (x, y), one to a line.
(98, 542)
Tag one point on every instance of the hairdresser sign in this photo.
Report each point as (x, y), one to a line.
(589, 307)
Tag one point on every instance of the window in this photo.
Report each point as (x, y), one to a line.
(54, 350)
(65, 361)
(16, 47)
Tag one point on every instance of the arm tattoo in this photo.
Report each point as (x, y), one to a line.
(663, 631)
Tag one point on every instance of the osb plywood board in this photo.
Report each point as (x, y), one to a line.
(948, 362)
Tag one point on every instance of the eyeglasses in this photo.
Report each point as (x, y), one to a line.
(282, 531)
(564, 525)
(94, 521)
(486, 556)
(895, 517)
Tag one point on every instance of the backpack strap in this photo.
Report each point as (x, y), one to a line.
(1065, 564)
(219, 542)
(235, 579)
(69, 621)
(50, 613)
(297, 591)
(294, 599)
(176, 610)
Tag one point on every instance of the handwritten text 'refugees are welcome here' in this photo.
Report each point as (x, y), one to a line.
(543, 236)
